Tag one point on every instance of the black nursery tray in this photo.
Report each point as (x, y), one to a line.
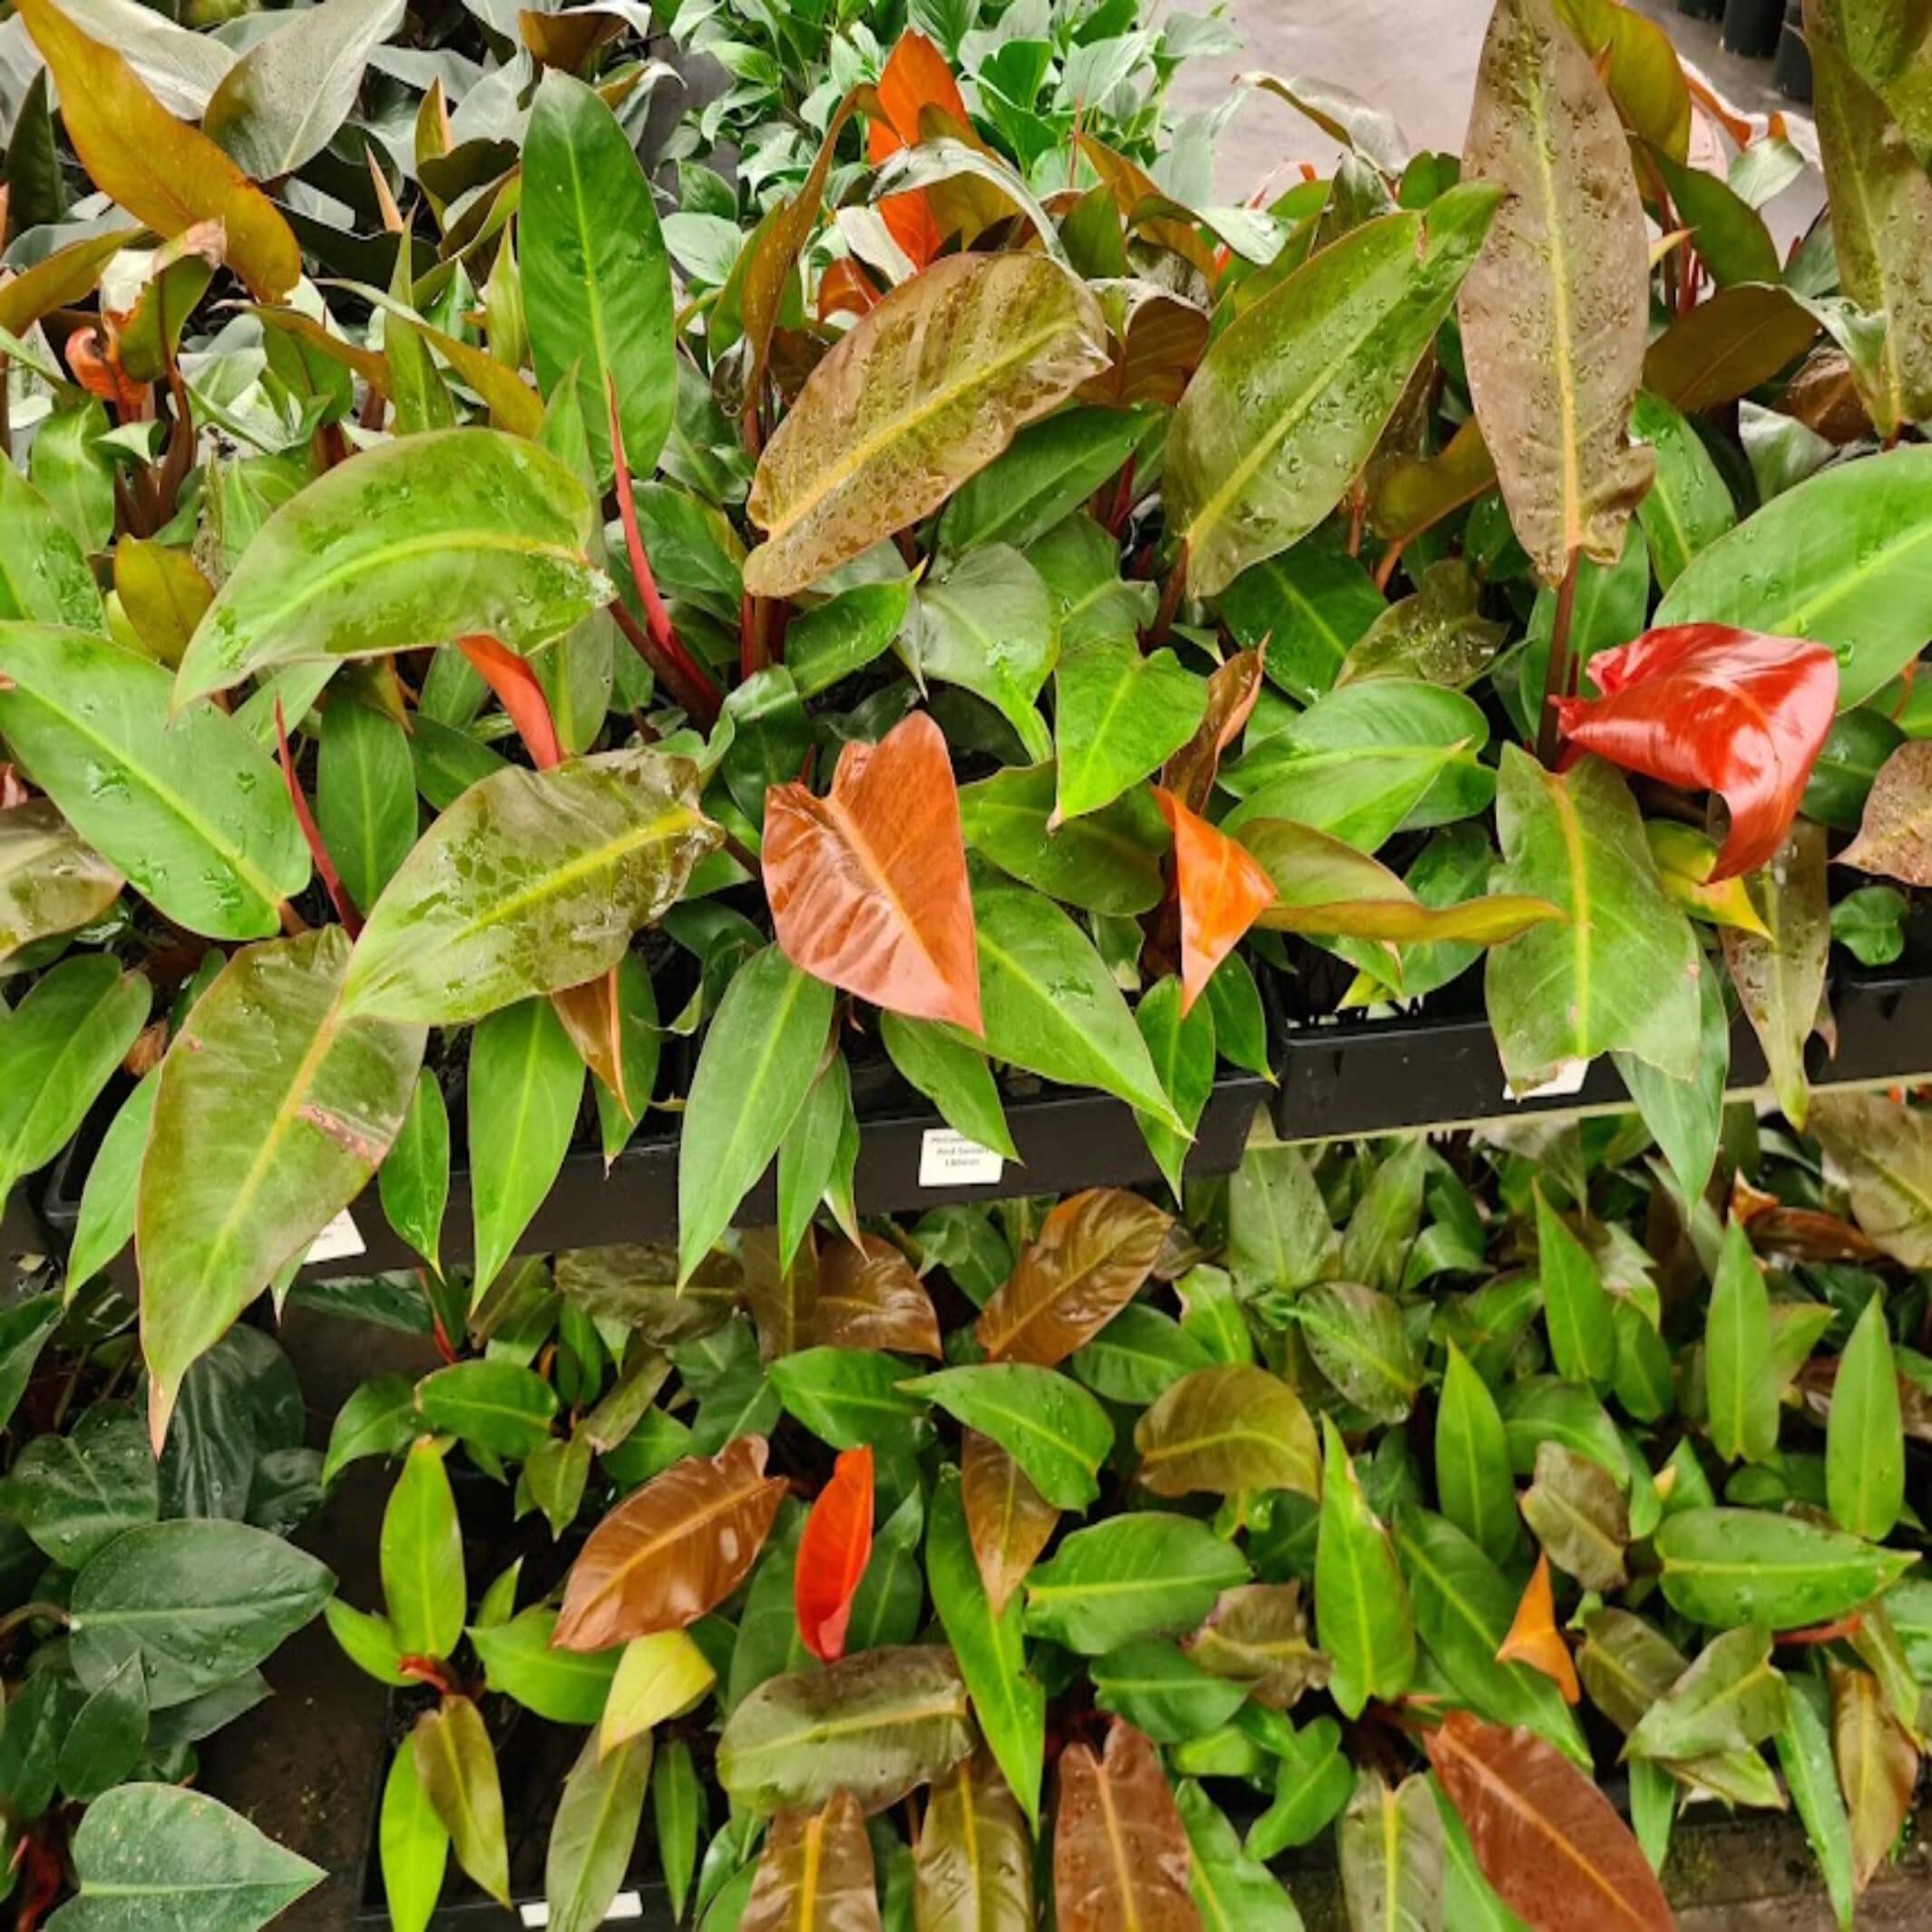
(1354, 1075)
(909, 1161)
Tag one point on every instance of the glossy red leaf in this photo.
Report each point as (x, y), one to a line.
(868, 885)
(1548, 1840)
(1703, 705)
(915, 77)
(833, 1553)
(1223, 888)
(515, 683)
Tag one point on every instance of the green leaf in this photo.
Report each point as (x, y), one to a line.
(1047, 471)
(1864, 1434)
(1620, 971)
(415, 1176)
(1687, 1116)
(1181, 1045)
(1804, 1756)
(1575, 1303)
(1832, 560)
(1364, 1620)
(1159, 1689)
(1726, 1567)
(1108, 861)
(1688, 505)
(1150, 1574)
(274, 1108)
(595, 1832)
(150, 1858)
(1360, 1343)
(1288, 403)
(105, 1740)
(566, 1686)
(1556, 314)
(526, 1083)
(531, 882)
(880, 1723)
(1779, 973)
(1542, 1407)
(106, 1224)
(1731, 239)
(367, 1642)
(1279, 1234)
(844, 634)
(923, 392)
(847, 1396)
(1137, 1356)
(378, 1419)
(1739, 1388)
(413, 1844)
(457, 1768)
(678, 1817)
(1081, 564)
(74, 1494)
(498, 1406)
(808, 1153)
(1049, 1425)
(191, 813)
(1051, 1004)
(1389, 1845)
(61, 1045)
(1009, 1705)
(1231, 1891)
(1311, 1783)
(758, 1062)
(280, 103)
(1469, 1901)
(43, 577)
(952, 1074)
(1464, 1606)
(410, 543)
(71, 468)
(424, 1586)
(1310, 606)
(1119, 715)
(988, 626)
(1473, 1476)
(1729, 1699)
(202, 1600)
(366, 805)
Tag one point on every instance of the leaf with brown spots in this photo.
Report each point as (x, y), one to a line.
(1895, 837)
(1258, 1634)
(1120, 1853)
(816, 1873)
(973, 1867)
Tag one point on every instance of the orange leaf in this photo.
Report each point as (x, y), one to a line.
(846, 288)
(672, 1550)
(100, 372)
(833, 1553)
(1545, 1838)
(868, 885)
(594, 1019)
(915, 77)
(1534, 1640)
(518, 690)
(1224, 889)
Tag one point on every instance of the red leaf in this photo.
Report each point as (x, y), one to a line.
(915, 77)
(517, 689)
(1223, 888)
(831, 1556)
(1705, 705)
(1545, 1838)
(846, 288)
(868, 884)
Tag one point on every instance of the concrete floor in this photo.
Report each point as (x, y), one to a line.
(1417, 60)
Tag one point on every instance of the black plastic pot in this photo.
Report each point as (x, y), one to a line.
(1752, 27)
(1361, 1076)
(908, 1163)
(1792, 72)
(1700, 9)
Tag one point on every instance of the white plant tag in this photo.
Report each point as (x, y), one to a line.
(340, 1239)
(948, 1159)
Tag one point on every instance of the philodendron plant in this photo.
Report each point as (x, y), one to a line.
(992, 612)
(1073, 1551)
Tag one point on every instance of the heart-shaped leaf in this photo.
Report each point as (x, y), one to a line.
(1120, 1855)
(973, 1865)
(815, 1869)
(868, 885)
(833, 1553)
(925, 389)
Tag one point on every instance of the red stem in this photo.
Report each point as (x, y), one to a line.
(1846, 1626)
(332, 881)
(1170, 600)
(670, 663)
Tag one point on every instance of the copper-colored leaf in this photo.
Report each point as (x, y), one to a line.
(973, 1867)
(1225, 1429)
(1094, 1252)
(868, 884)
(1224, 889)
(1878, 1767)
(520, 693)
(673, 1550)
(1707, 707)
(816, 1873)
(783, 1295)
(1258, 1634)
(1725, 347)
(1895, 836)
(1545, 1838)
(160, 170)
(1009, 1520)
(593, 1018)
(1556, 314)
(870, 1298)
(1120, 1854)
(833, 1553)
(1534, 1638)
(1232, 690)
(915, 77)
